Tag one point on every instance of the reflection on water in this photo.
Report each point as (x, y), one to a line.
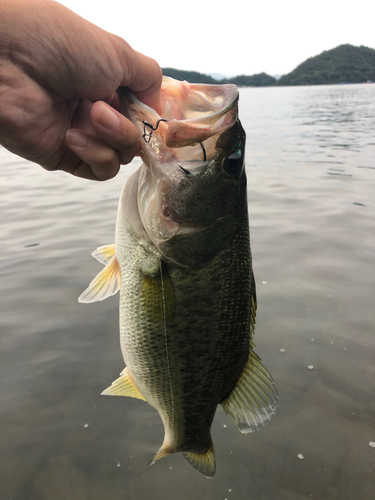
(311, 162)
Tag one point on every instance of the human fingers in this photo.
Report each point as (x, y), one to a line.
(94, 158)
(115, 130)
(101, 139)
(148, 71)
(141, 73)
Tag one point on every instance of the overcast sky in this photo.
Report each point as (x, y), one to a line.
(233, 37)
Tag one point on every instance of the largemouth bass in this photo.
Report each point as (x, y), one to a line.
(183, 265)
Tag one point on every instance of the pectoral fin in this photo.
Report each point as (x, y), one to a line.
(123, 386)
(104, 254)
(253, 401)
(105, 284)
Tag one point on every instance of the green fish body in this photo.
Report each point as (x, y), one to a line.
(182, 263)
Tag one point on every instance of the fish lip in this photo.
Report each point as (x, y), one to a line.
(215, 107)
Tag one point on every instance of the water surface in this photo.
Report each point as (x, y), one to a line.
(311, 184)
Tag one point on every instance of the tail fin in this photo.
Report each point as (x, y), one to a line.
(203, 462)
(162, 452)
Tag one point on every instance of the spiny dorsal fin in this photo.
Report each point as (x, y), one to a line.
(253, 401)
(123, 386)
(104, 254)
(105, 284)
(203, 462)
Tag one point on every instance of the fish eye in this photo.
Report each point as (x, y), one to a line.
(232, 164)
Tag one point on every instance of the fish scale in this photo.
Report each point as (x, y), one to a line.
(182, 263)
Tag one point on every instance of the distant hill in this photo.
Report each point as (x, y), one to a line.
(260, 80)
(189, 76)
(344, 64)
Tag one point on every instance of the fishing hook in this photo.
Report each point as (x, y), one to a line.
(147, 135)
(204, 159)
(187, 172)
(204, 151)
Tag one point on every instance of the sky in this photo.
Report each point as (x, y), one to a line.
(232, 37)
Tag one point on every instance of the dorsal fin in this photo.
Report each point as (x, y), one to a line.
(253, 401)
(105, 284)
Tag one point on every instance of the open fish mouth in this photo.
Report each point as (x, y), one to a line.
(192, 113)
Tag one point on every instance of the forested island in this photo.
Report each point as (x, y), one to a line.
(343, 64)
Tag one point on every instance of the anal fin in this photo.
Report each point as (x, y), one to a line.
(253, 401)
(123, 386)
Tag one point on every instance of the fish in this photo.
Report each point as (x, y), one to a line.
(182, 263)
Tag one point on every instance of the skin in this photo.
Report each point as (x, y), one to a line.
(58, 79)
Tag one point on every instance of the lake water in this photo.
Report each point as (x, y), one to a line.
(311, 186)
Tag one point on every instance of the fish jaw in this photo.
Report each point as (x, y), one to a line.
(191, 112)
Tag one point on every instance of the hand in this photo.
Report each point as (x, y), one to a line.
(58, 77)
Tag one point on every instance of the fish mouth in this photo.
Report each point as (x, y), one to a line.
(192, 113)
